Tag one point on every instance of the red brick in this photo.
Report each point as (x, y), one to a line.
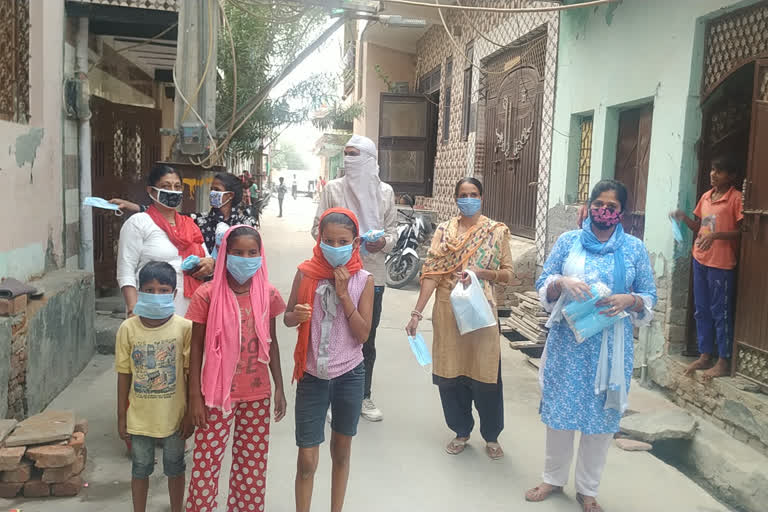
(36, 489)
(69, 488)
(81, 425)
(11, 457)
(9, 491)
(52, 456)
(79, 465)
(77, 442)
(21, 474)
(58, 475)
(13, 306)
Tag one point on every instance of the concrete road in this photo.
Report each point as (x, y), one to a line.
(398, 464)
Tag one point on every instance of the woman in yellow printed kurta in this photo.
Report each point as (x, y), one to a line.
(466, 368)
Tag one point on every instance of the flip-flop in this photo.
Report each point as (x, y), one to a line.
(533, 495)
(588, 507)
(456, 446)
(494, 451)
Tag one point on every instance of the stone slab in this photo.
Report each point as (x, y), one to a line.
(6, 427)
(52, 456)
(11, 457)
(659, 425)
(630, 445)
(45, 427)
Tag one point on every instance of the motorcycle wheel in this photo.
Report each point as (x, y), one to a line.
(401, 272)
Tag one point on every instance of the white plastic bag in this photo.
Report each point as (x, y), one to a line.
(470, 307)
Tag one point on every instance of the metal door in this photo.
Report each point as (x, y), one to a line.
(125, 142)
(632, 152)
(751, 332)
(513, 127)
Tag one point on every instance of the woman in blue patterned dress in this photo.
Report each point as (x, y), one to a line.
(584, 385)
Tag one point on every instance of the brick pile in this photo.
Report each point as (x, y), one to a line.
(43, 470)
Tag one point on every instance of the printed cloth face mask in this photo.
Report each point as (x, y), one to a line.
(242, 269)
(469, 206)
(337, 256)
(605, 217)
(169, 198)
(154, 306)
(217, 198)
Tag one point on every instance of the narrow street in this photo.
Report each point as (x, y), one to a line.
(398, 464)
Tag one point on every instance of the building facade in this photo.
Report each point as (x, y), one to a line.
(651, 99)
(472, 94)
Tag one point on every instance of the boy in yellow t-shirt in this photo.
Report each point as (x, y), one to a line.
(152, 360)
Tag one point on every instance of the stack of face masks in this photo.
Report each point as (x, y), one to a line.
(584, 317)
(371, 235)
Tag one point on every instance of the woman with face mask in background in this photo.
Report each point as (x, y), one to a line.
(161, 234)
(585, 384)
(466, 368)
(227, 207)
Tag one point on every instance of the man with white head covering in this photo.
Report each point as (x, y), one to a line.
(373, 202)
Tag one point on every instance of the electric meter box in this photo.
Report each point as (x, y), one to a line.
(193, 139)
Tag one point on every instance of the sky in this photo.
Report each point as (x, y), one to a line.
(328, 57)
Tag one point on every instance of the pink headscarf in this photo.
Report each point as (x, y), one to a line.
(223, 329)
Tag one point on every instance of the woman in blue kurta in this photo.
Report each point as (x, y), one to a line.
(584, 385)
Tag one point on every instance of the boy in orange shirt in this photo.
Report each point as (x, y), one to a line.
(717, 224)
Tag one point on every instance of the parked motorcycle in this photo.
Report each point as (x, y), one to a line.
(261, 202)
(414, 235)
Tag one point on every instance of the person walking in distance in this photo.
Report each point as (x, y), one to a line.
(373, 203)
(281, 191)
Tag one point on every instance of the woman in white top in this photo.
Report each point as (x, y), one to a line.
(161, 234)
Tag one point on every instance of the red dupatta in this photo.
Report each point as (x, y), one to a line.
(313, 271)
(186, 237)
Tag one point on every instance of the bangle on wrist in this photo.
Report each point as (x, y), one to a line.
(417, 315)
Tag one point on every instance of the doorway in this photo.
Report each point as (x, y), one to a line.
(727, 116)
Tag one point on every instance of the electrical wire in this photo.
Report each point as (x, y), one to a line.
(553, 8)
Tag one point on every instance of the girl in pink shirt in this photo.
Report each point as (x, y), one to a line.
(233, 350)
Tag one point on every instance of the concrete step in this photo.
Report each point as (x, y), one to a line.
(113, 304)
(106, 326)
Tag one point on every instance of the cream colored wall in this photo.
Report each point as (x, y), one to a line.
(31, 157)
(397, 66)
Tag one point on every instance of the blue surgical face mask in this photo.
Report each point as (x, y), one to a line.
(337, 256)
(217, 198)
(469, 206)
(242, 269)
(154, 306)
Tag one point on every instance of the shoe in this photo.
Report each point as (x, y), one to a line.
(370, 411)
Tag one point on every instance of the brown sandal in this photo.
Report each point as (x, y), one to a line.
(494, 451)
(538, 494)
(456, 446)
(592, 506)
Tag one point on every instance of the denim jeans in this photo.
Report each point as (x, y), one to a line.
(344, 394)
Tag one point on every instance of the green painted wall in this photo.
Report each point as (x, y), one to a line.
(618, 56)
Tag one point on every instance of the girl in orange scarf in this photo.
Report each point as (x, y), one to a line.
(332, 304)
